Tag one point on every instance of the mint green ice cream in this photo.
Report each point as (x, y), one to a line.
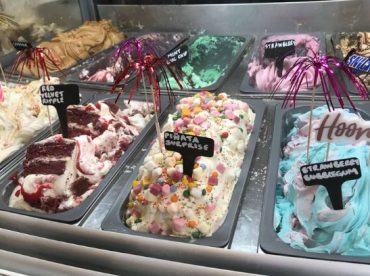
(208, 59)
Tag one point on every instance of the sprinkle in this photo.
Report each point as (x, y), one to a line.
(166, 189)
(186, 193)
(214, 174)
(211, 207)
(224, 135)
(146, 181)
(196, 234)
(192, 184)
(154, 228)
(220, 168)
(213, 181)
(138, 220)
(176, 116)
(203, 166)
(179, 123)
(204, 192)
(241, 116)
(186, 120)
(137, 189)
(209, 188)
(130, 205)
(178, 224)
(192, 223)
(185, 181)
(185, 112)
(176, 176)
(215, 113)
(188, 182)
(135, 183)
(198, 120)
(197, 110)
(174, 198)
(229, 114)
(155, 189)
(173, 188)
(140, 197)
(236, 120)
(160, 179)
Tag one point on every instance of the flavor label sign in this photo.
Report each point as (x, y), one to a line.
(278, 50)
(360, 64)
(178, 55)
(334, 127)
(331, 175)
(21, 45)
(60, 96)
(189, 146)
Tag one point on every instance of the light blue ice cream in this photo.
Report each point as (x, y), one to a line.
(304, 217)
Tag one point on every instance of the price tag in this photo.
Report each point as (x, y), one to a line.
(332, 175)
(359, 64)
(60, 96)
(189, 146)
(179, 55)
(21, 45)
(278, 50)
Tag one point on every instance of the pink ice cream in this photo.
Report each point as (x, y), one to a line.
(263, 72)
(103, 75)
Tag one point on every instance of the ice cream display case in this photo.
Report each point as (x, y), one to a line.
(188, 149)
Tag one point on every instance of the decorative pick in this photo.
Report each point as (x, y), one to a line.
(324, 67)
(3, 74)
(2, 97)
(324, 72)
(141, 60)
(152, 66)
(30, 56)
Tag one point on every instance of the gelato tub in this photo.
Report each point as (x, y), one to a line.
(200, 210)
(22, 117)
(102, 69)
(60, 178)
(267, 65)
(71, 47)
(299, 220)
(210, 60)
(343, 43)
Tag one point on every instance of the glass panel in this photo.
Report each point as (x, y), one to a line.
(35, 21)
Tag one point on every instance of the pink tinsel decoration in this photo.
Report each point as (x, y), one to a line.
(324, 72)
